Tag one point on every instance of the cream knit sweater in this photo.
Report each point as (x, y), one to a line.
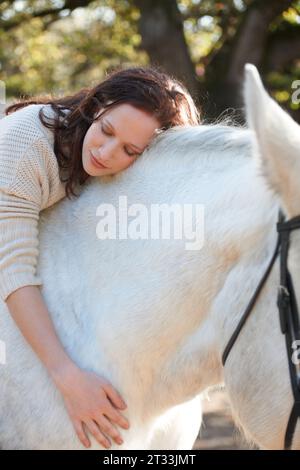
(29, 182)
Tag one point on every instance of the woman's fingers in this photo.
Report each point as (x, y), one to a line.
(81, 433)
(93, 402)
(114, 396)
(97, 433)
(116, 417)
(110, 430)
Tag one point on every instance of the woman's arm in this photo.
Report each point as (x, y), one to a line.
(89, 398)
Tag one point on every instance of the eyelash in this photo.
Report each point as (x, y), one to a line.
(108, 133)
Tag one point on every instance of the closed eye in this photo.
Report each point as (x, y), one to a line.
(130, 153)
(106, 132)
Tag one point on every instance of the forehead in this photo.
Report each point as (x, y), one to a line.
(131, 122)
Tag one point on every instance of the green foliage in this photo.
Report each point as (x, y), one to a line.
(65, 50)
(72, 52)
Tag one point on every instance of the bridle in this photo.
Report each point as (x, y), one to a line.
(288, 315)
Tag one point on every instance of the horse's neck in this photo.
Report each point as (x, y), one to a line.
(213, 283)
(246, 241)
(240, 235)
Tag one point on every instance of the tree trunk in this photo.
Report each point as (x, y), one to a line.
(226, 74)
(283, 48)
(161, 28)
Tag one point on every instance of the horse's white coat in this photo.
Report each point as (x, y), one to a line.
(154, 318)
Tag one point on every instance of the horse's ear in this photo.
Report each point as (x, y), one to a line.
(255, 96)
(278, 140)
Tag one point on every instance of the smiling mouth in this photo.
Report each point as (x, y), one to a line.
(96, 163)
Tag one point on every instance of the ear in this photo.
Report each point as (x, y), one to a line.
(278, 141)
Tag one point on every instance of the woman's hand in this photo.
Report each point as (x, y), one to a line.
(91, 401)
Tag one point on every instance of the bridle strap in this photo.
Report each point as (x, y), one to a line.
(287, 225)
(289, 321)
(288, 314)
(292, 423)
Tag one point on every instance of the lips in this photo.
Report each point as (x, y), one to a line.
(96, 163)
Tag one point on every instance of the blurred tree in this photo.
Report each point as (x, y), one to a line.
(265, 33)
(60, 45)
(162, 31)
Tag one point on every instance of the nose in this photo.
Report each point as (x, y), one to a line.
(106, 151)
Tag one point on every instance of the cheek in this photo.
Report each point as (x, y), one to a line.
(126, 162)
(91, 136)
(86, 140)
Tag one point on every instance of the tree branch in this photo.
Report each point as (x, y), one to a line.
(161, 28)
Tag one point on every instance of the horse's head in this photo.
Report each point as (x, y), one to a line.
(278, 142)
(278, 156)
(276, 149)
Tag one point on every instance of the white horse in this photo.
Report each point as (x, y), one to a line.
(154, 317)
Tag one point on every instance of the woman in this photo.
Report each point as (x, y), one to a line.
(48, 148)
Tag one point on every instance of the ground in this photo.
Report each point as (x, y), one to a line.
(218, 430)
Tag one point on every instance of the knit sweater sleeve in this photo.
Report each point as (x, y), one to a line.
(28, 184)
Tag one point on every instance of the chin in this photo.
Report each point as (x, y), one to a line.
(93, 172)
(89, 169)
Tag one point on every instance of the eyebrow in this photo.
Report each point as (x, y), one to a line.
(112, 127)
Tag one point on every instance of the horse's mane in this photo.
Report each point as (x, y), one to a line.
(208, 142)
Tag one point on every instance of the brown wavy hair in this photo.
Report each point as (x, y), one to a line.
(147, 88)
